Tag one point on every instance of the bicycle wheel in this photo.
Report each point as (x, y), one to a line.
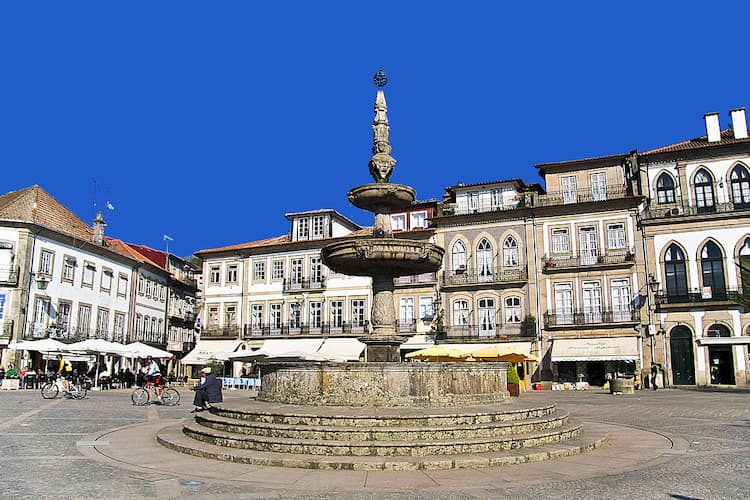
(50, 390)
(170, 397)
(78, 391)
(140, 396)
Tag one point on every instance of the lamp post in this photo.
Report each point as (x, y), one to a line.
(653, 286)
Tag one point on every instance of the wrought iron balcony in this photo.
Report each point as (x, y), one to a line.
(406, 326)
(603, 317)
(499, 275)
(218, 331)
(566, 261)
(417, 279)
(736, 296)
(552, 198)
(8, 276)
(486, 332)
(302, 329)
(676, 211)
(296, 285)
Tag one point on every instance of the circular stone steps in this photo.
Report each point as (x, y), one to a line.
(357, 438)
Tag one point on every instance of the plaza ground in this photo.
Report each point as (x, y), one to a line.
(667, 444)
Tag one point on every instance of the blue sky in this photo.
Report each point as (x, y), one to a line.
(208, 121)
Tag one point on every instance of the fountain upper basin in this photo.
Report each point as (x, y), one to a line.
(382, 257)
(383, 194)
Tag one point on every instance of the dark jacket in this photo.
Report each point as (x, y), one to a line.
(212, 386)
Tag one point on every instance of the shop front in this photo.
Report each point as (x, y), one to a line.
(594, 360)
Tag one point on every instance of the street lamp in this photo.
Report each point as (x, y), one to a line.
(653, 285)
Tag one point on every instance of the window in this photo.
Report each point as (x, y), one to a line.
(6, 261)
(599, 186)
(41, 315)
(69, 268)
(276, 316)
(139, 326)
(419, 219)
(232, 272)
(712, 270)
(89, 270)
(119, 327)
(616, 235)
(295, 315)
(230, 315)
(215, 274)
(704, 191)
(592, 301)
(510, 252)
(63, 316)
(278, 270)
(485, 259)
(154, 331)
(740, 180)
(513, 310)
(316, 270)
(256, 316)
(589, 250)
(318, 226)
(358, 312)
(426, 308)
(296, 277)
(259, 270)
(303, 228)
(744, 266)
(473, 201)
(564, 303)
(84, 319)
(406, 311)
(212, 316)
(316, 314)
(569, 189)
(122, 285)
(149, 288)
(337, 313)
(560, 243)
(458, 255)
(674, 272)
(496, 196)
(46, 261)
(620, 300)
(665, 189)
(460, 312)
(486, 318)
(398, 222)
(102, 323)
(106, 283)
(141, 285)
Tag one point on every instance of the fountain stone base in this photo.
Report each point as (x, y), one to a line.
(383, 384)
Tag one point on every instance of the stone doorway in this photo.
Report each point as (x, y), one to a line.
(721, 364)
(681, 351)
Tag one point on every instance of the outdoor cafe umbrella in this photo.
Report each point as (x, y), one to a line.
(99, 347)
(438, 353)
(43, 345)
(499, 352)
(141, 350)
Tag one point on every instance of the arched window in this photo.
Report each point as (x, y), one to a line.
(485, 259)
(740, 179)
(486, 318)
(665, 189)
(460, 312)
(745, 265)
(458, 255)
(513, 310)
(718, 330)
(704, 191)
(712, 269)
(674, 272)
(510, 252)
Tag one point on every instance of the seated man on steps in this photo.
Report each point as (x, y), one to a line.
(207, 392)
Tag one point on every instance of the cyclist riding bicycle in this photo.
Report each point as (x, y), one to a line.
(153, 375)
(64, 370)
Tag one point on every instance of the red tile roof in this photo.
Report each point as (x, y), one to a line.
(35, 205)
(727, 137)
(123, 248)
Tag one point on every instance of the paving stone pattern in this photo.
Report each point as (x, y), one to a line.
(45, 454)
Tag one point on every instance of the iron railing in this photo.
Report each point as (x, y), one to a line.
(291, 329)
(498, 275)
(8, 276)
(304, 284)
(477, 332)
(426, 278)
(735, 295)
(674, 211)
(586, 259)
(602, 317)
(552, 198)
(6, 329)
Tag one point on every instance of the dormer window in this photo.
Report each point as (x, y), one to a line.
(318, 226)
(419, 219)
(398, 222)
(303, 228)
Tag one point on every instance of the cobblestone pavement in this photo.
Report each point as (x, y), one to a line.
(46, 452)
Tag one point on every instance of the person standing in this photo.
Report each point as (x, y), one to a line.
(207, 392)
(654, 373)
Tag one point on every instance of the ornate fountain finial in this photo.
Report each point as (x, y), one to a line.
(381, 163)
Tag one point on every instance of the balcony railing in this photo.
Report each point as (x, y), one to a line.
(6, 329)
(8, 276)
(217, 331)
(406, 326)
(151, 338)
(67, 334)
(736, 296)
(304, 284)
(604, 317)
(475, 332)
(481, 207)
(587, 259)
(674, 211)
(425, 278)
(287, 329)
(552, 198)
(497, 275)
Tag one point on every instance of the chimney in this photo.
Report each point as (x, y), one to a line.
(738, 123)
(712, 127)
(99, 225)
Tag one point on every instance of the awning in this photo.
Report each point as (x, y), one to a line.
(418, 341)
(282, 348)
(212, 350)
(742, 340)
(342, 349)
(522, 347)
(595, 349)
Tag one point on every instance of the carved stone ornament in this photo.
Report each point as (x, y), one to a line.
(381, 167)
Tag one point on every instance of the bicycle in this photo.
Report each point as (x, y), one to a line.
(53, 388)
(143, 395)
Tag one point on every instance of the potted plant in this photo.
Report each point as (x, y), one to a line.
(513, 380)
(528, 325)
